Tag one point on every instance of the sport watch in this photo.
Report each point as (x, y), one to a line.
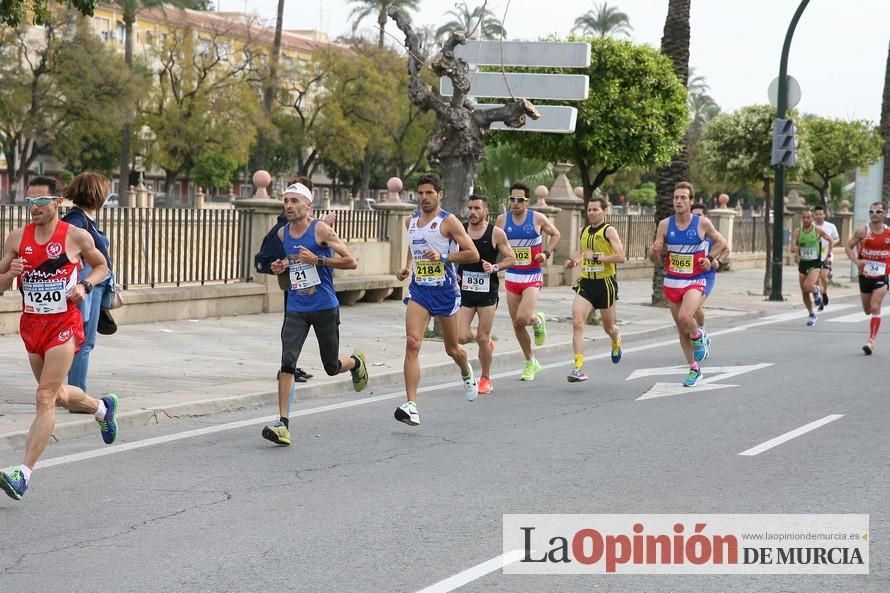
(87, 286)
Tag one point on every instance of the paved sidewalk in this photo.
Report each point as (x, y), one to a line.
(185, 368)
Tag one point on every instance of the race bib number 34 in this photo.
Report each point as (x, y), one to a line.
(428, 272)
(680, 263)
(476, 281)
(45, 298)
(874, 269)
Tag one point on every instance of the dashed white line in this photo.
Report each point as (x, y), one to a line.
(471, 574)
(790, 435)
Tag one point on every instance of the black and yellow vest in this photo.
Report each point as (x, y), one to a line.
(593, 240)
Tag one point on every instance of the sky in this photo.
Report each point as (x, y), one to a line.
(838, 54)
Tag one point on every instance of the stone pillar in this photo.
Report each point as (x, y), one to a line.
(724, 220)
(261, 181)
(845, 225)
(131, 197)
(199, 199)
(397, 216)
(569, 219)
(230, 197)
(325, 199)
(263, 215)
(143, 198)
(394, 186)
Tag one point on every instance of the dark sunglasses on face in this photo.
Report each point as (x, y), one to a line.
(41, 201)
(875, 211)
(517, 200)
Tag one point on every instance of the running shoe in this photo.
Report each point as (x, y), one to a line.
(576, 376)
(692, 378)
(811, 320)
(485, 386)
(360, 373)
(869, 348)
(471, 389)
(532, 368)
(825, 299)
(13, 483)
(616, 352)
(817, 298)
(707, 343)
(540, 330)
(407, 413)
(277, 433)
(108, 425)
(699, 348)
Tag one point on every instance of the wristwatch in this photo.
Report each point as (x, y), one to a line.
(87, 286)
(322, 261)
(547, 253)
(495, 268)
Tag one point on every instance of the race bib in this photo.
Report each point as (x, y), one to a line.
(476, 282)
(303, 276)
(589, 266)
(428, 272)
(680, 263)
(809, 253)
(45, 298)
(874, 269)
(523, 255)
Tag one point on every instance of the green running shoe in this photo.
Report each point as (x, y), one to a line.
(13, 483)
(532, 368)
(359, 374)
(277, 433)
(540, 330)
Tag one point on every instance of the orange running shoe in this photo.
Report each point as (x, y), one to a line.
(485, 386)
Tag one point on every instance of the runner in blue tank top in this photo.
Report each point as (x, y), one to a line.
(711, 277)
(437, 241)
(312, 250)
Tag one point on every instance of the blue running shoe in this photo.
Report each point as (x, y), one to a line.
(108, 426)
(811, 321)
(699, 348)
(692, 378)
(14, 484)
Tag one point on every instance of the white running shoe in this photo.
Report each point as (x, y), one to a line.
(471, 389)
(408, 414)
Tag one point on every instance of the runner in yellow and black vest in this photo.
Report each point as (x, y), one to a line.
(597, 286)
(807, 244)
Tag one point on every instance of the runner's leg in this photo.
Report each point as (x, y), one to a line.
(417, 318)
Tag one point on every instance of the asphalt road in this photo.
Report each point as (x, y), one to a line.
(361, 503)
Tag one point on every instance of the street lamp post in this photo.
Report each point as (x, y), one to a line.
(779, 195)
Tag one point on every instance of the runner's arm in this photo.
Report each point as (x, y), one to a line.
(91, 255)
(406, 271)
(657, 250)
(344, 260)
(508, 258)
(454, 230)
(719, 245)
(10, 263)
(548, 228)
(617, 246)
(794, 237)
(852, 244)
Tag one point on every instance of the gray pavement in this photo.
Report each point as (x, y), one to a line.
(169, 370)
(362, 504)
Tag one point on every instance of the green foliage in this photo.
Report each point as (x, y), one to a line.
(480, 21)
(503, 166)
(635, 115)
(213, 169)
(644, 195)
(736, 148)
(837, 147)
(602, 21)
(14, 12)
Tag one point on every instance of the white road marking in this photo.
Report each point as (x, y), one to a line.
(857, 317)
(161, 440)
(790, 435)
(471, 574)
(710, 382)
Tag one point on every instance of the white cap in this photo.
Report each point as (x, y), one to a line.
(300, 190)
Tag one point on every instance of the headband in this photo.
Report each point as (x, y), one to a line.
(300, 190)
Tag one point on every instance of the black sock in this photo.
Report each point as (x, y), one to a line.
(284, 421)
(358, 363)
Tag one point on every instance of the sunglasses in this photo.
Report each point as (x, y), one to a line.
(517, 200)
(875, 211)
(41, 201)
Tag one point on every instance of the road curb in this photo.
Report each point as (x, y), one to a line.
(267, 398)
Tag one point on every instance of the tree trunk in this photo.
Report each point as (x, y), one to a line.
(127, 132)
(381, 22)
(365, 183)
(269, 89)
(885, 130)
(675, 45)
(458, 180)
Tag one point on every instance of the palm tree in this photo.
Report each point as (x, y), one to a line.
(480, 21)
(602, 21)
(365, 8)
(675, 45)
(702, 109)
(885, 129)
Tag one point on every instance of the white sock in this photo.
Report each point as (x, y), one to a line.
(26, 471)
(100, 412)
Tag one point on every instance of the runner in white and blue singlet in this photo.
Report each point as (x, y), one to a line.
(436, 242)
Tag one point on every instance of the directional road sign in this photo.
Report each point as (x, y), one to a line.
(497, 85)
(521, 53)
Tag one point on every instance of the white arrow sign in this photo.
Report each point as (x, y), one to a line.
(710, 382)
(562, 87)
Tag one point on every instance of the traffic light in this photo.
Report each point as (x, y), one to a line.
(784, 143)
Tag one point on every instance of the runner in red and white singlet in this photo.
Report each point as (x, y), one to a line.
(869, 249)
